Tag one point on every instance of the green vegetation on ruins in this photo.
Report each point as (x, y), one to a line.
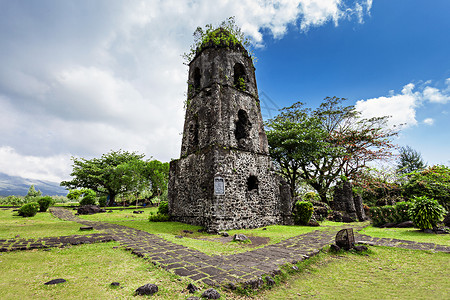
(227, 34)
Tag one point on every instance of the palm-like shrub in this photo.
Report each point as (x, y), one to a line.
(426, 212)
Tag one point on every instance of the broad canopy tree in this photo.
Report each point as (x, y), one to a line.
(118, 172)
(322, 145)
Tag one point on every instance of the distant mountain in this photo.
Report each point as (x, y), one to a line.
(14, 185)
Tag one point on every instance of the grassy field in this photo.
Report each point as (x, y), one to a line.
(382, 273)
(385, 273)
(41, 225)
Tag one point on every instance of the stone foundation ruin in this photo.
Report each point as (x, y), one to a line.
(224, 178)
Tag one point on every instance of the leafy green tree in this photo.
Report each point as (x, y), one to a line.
(89, 197)
(433, 182)
(158, 173)
(318, 146)
(118, 173)
(74, 194)
(32, 194)
(409, 161)
(112, 174)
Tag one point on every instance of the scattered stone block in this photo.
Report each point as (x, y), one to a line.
(240, 237)
(55, 281)
(193, 298)
(313, 223)
(361, 248)
(115, 283)
(211, 294)
(407, 224)
(334, 248)
(192, 288)
(224, 233)
(147, 289)
(179, 236)
(368, 243)
(269, 281)
(83, 228)
(388, 225)
(90, 210)
(255, 283)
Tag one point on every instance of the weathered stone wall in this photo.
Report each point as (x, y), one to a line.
(224, 141)
(214, 117)
(244, 204)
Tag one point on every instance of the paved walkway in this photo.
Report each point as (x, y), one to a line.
(245, 268)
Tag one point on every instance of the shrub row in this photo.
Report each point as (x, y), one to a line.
(397, 213)
(423, 211)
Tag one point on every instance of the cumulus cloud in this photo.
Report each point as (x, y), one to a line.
(51, 168)
(428, 121)
(83, 78)
(402, 107)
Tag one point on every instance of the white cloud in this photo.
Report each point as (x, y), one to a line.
(428, 121)
(434, 95)
(85, 78)
(402, 107)
(51, 168)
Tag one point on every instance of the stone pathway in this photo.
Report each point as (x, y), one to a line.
(245, 268)
(47, 242)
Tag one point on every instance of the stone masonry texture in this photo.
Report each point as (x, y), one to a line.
(224, 178)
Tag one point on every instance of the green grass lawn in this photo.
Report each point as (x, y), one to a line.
(41, 225)
(386, 273)
(89, 271)
(410, 234)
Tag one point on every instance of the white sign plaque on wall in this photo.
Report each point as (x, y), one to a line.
(219, 186)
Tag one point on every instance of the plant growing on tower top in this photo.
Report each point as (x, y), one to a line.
(227, 34)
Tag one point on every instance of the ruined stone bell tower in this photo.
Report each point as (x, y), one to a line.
(224, 177)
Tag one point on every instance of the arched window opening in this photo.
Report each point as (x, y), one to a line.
(240, 78)
(243, 125)
(197, 79)
(252, 183)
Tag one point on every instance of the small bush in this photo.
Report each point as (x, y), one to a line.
(29, 209)
(426, 212)
(303, 211)
(163, 208)
(102, 201)
(88, 197)
(44, 203)
(158, 218)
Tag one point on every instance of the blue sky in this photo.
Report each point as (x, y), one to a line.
(80, 78)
